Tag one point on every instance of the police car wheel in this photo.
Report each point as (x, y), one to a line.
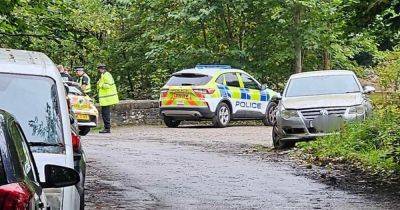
(222, 116)
(270, 117)
(277, 140)
(171, 123)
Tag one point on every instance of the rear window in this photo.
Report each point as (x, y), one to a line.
(188, 80)
(74, 90)
(34, 102)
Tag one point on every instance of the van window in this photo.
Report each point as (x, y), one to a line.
(33, 101)
(188, 80)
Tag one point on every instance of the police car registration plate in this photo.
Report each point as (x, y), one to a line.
(181, 95)
(82, 117)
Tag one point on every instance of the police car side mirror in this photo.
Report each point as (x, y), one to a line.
(276, 97)
(264, 87)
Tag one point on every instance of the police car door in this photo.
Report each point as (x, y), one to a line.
(233, 86)
(253, 99)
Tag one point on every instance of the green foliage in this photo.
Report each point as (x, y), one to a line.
(373, 145)
(144, 41)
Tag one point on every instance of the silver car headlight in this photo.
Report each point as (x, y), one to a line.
(287, 114)
(54, 197)
(358, 110)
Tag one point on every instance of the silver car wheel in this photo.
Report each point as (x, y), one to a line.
(224, 115)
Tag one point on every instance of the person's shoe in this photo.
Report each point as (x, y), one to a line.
(105, 131)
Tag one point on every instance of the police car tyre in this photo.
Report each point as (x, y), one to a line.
(277, 140)
(270, 118)
(222, 116)
(171, 123)
(84, 130)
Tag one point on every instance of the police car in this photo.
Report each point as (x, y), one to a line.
(216, 92)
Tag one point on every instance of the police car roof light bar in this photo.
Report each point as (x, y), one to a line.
(209, 66)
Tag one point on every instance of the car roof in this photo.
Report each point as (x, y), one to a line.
(322, 73)
(209, 70)
(26, 62)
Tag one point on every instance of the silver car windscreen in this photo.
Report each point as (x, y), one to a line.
(34, 103)
(322, 85)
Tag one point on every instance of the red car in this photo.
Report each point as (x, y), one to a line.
(20, 187)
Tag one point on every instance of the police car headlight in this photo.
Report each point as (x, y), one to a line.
(359, 110)
(287, 114)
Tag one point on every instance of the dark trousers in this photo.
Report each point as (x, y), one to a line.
(106, 114)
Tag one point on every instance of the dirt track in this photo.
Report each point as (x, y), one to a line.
(200, 167)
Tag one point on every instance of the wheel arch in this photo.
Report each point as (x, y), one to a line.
(225, 100)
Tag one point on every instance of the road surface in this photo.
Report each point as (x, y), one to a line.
(153, 167)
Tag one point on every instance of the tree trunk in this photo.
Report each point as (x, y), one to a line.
(326, 60)
(203, 27)
(297, 40)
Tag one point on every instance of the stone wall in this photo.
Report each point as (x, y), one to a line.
(146, 112)
(135, 112)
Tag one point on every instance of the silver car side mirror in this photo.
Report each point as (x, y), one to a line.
(368, 89)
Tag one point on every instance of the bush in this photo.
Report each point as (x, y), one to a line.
(373, 144)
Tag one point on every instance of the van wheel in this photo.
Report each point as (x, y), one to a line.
(222, 116)
(171, 123)
(270, 117)
(277, 140)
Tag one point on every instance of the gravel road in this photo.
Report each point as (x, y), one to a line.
(194, 167)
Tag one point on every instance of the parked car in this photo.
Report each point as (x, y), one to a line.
(83, 106)
(317, 103)
(32, 90)
(215, 92)
(20, 187)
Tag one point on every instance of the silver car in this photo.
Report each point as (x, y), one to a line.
(318, 103)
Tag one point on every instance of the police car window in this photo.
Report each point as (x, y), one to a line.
(248, 82)
(220, 80)
(188, 80)
(232, 80)
(34, 102)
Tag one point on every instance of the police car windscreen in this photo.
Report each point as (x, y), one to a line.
(322, 85)
(188, 80)
(34, 103)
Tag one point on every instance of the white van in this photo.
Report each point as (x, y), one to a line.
(32, 90)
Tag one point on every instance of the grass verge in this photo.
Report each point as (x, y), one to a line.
(372, 146)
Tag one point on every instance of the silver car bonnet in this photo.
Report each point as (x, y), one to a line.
(334, 100)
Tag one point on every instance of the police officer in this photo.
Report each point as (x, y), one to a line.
(108, 96)
(64, 74)
(83, 79)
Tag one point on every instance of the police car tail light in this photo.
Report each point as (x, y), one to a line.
(164, 93)
(204, 91)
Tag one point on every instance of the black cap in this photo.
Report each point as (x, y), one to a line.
(101, 66)
(79, 68)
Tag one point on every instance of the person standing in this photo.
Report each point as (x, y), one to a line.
(64, 74)
(83, 79)
(108, 96)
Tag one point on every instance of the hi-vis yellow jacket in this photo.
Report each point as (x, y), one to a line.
(108, 94)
